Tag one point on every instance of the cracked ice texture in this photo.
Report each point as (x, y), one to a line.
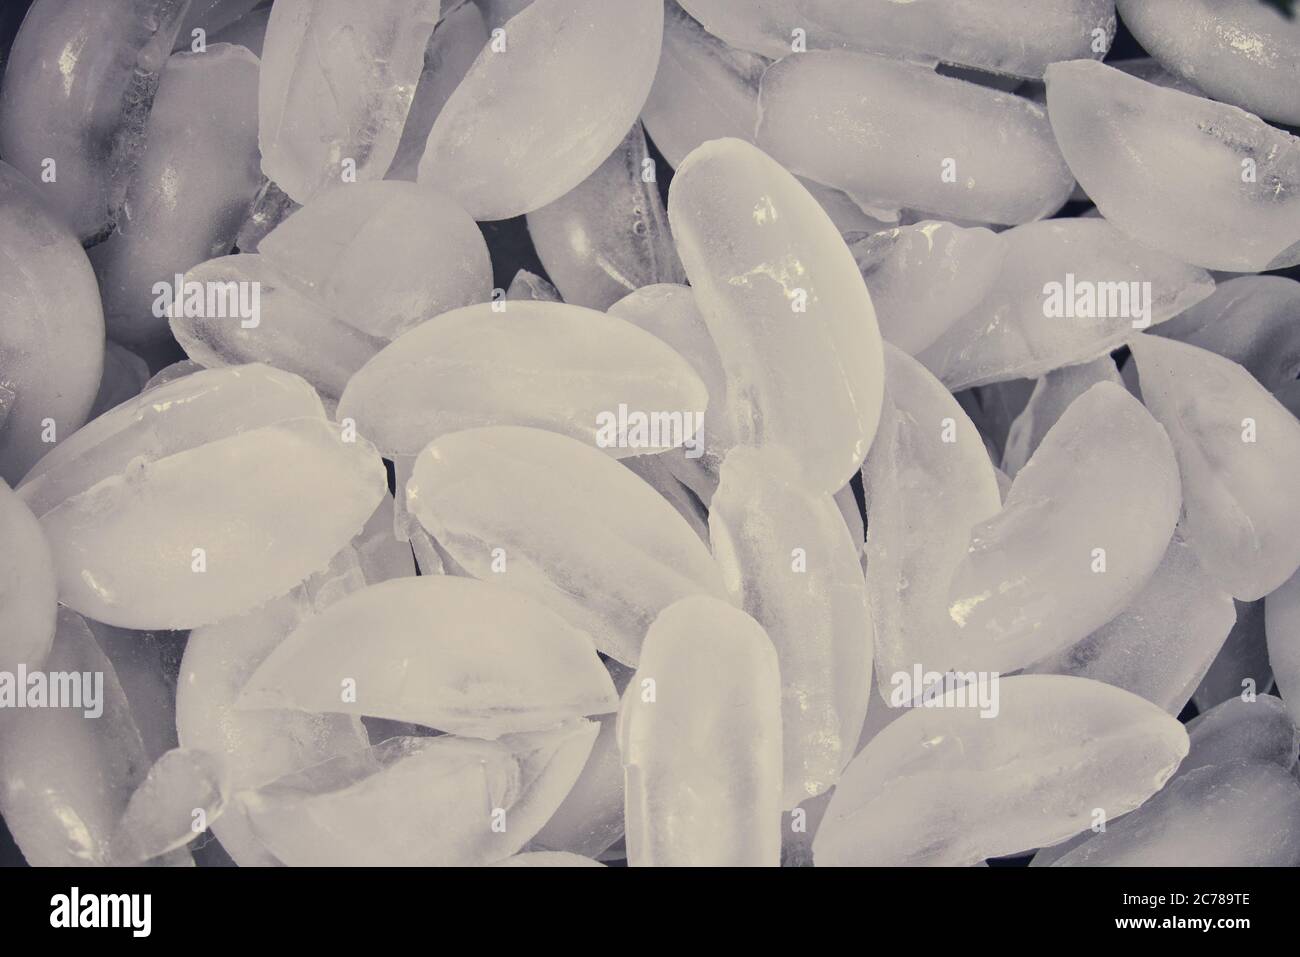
(383, 257)
(1239, 452)
(789, 561)
(786, 306)
(1085, 524)
(337, 82)
(945, 786)
(447, 790)
(991, 35)
(924, 495)
(1171, 170)
(1282, 627)
(575, 528)
(1250, 320)
(1008, 333)
(1239, 51)
(839, 118)
(700, 734)
(924, 277)
(28, 597)
(201, 463)
(547, 365)
(563, 92)
(608, 236)
(77, 90)
(1163, 642)
(1241, 814)
(192, 189)
(454, 654)
(51, 327)
(65, 779)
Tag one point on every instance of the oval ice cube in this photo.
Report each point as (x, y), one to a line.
(1239, 452)
(453, 654)
(1069, 291)
(76, 97)
(786, 306)
(189, 538)
(28, 597)
(992, 35)
(562, 85)
(183, 792)
(1085, 524)
(700, 734)
(1243, 814)
(928, 481)
(548, 365)
(1163, 642)
(1207, 183)
(563, 522)
(245, 309)
(65, 777)
(972, 153)
(443, 801)
(1250, 320)
(1238, 51)
(1259, 729)
(923, 278)
(51, 328)
(191, 190)
(609, 234)
(1282, 627)
(336, 85)
(382, 257)
(181, 414)
(789, 561)
(942, 785)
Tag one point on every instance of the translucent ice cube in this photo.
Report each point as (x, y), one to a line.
(700, 734)
(1205, 182)
(183, 792)
(28, 598)
(1052, 395)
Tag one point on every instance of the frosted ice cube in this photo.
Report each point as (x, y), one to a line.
(564, 523)
(561, 85)
(971, 153)
(548, 365)
(1239, 452)
(700, 734)
(1239, 51)
(1205, 182)
(453, 654)
(28, 597)
(462, 801)
(790, 562)
(945, 786)
(1259, 729)
(784, 301)
(336, 85)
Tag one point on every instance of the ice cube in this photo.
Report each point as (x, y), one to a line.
(125, 376)
(784, 301)
(1207, 183)
(563, 522)
(548, 365)
(1052, 395)
(336, 85)
(1238, 51)
(971, 153)
(1258, 729)
(561, 85)
(1239, 452)
(790, 562)
(1241, 666)
(700, 734)
(1282, 626)
(943, 785)
(530, 286)
(182, 794)
(453, 654)
(28, 597)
